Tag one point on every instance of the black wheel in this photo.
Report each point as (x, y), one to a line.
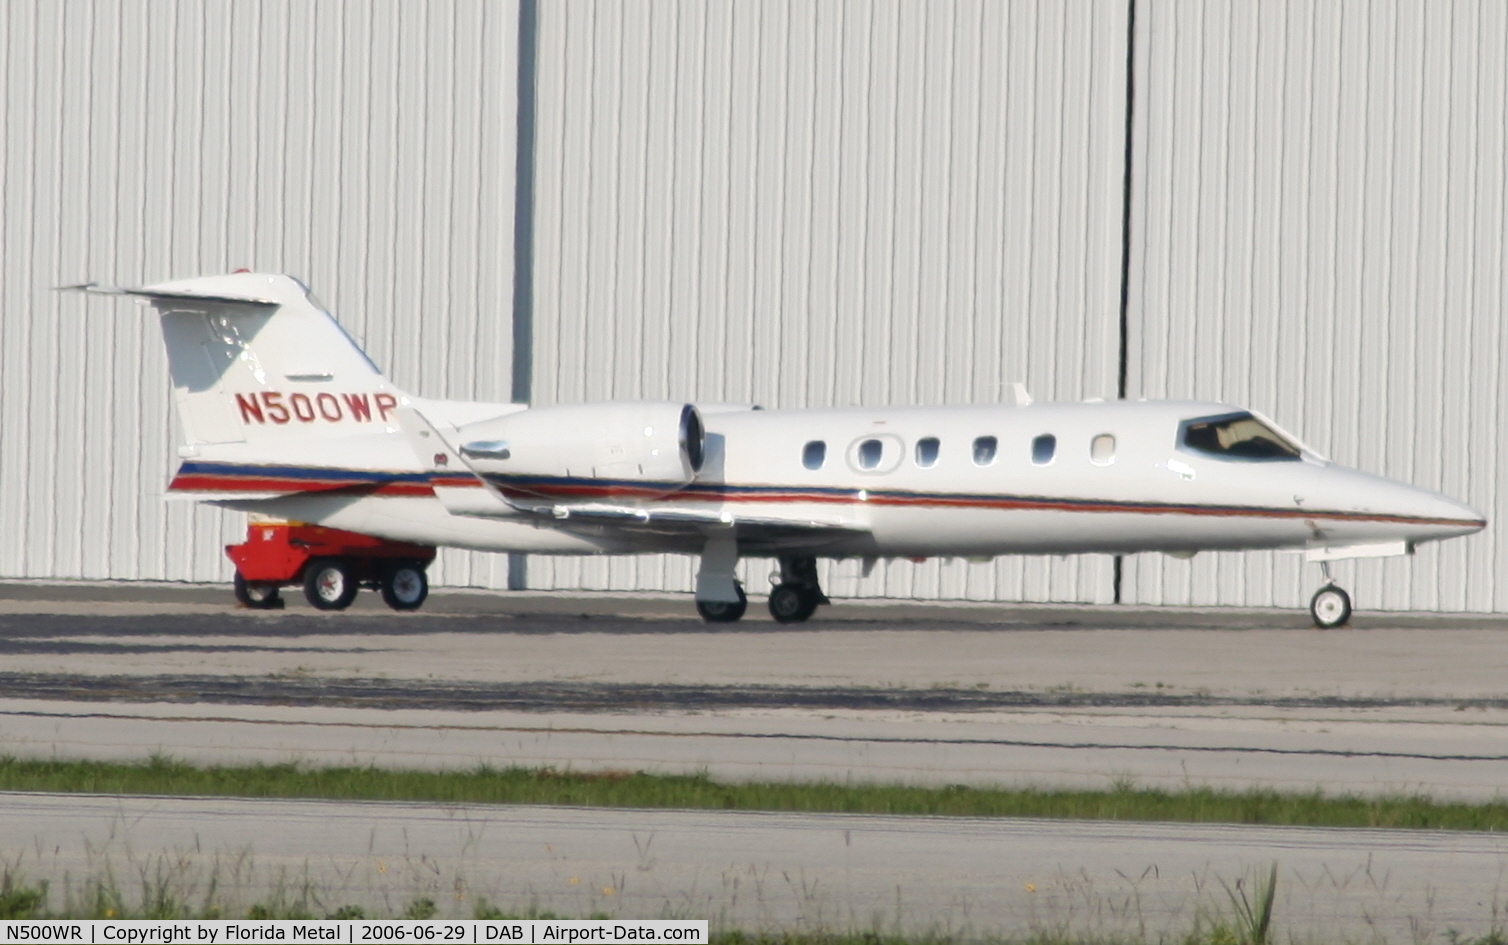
(329, 583)
(404, 586)
(792, 603)
(256, 595)
(1330, 607)
(717, 611)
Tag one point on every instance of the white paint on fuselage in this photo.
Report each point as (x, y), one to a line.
(1148, 470)
(1153, 495)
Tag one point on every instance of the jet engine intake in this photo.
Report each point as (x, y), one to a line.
(643, 450)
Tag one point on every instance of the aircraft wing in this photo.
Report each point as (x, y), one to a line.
(669, 521)
(675, 526)
(464, 491)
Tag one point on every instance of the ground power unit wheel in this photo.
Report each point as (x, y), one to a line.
(329, 583)
(717, 611)
(256, 595)
(1330, 607)
(404, 586)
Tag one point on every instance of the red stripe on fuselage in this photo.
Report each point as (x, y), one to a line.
(733, 494)
(455, 482)
(209, 483)
(202, 482)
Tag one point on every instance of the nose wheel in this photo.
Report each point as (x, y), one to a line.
(1330, 606)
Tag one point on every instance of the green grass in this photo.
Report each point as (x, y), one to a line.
(633, 789)
(100, 897)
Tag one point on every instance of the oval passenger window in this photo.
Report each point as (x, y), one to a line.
(926, 452)
(984, 450)
(1043, 448)
(1102, 450)
(814, 455)
(870, 454)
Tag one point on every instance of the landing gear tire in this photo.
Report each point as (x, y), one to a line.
(792, 603)
(1330, 607)
(404, 586)
(796, 593)
(718, 611)
(256, 595)
(329, 583)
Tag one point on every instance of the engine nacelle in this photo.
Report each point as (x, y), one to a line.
(623, 450)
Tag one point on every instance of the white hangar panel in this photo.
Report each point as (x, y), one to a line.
(810, 204)
(783, 202)
(366, 148)
(1319, 233)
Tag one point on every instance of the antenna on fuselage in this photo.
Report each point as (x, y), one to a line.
(1023, 399)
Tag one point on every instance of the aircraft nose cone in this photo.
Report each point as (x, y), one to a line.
(1451, 517)
(1436, 516)
(1398, 510)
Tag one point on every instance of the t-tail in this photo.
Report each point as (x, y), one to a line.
(267, 384)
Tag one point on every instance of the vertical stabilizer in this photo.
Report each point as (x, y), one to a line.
(256, 360)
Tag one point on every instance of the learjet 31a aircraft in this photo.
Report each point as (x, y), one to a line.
(284, 416)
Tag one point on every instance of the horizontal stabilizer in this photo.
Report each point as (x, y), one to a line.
(94, 288)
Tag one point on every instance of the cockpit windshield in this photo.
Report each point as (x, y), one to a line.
(1236, 436)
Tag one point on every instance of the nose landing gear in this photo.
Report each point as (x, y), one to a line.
(1331, 606)
(798, 594)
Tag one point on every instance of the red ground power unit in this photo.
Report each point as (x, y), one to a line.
(330, 564)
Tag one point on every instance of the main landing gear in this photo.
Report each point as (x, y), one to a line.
(798, 594)
(794, 598)
(1331, 606)
(717, 611)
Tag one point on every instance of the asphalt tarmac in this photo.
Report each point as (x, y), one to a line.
(935, 694)
(912, 693)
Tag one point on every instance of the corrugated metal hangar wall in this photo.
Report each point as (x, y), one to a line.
(1319, 232)
(783, 202)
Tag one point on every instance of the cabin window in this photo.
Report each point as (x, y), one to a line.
(926, 452)
(984, 450)
(1237, 436)
(1043, 449)
(1102, 450)
(870, 454)
(814, 454)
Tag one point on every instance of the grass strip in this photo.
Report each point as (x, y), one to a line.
(486, 785)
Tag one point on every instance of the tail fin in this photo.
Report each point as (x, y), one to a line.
(256, 360)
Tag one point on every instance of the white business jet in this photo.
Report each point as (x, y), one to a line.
(284, 416)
